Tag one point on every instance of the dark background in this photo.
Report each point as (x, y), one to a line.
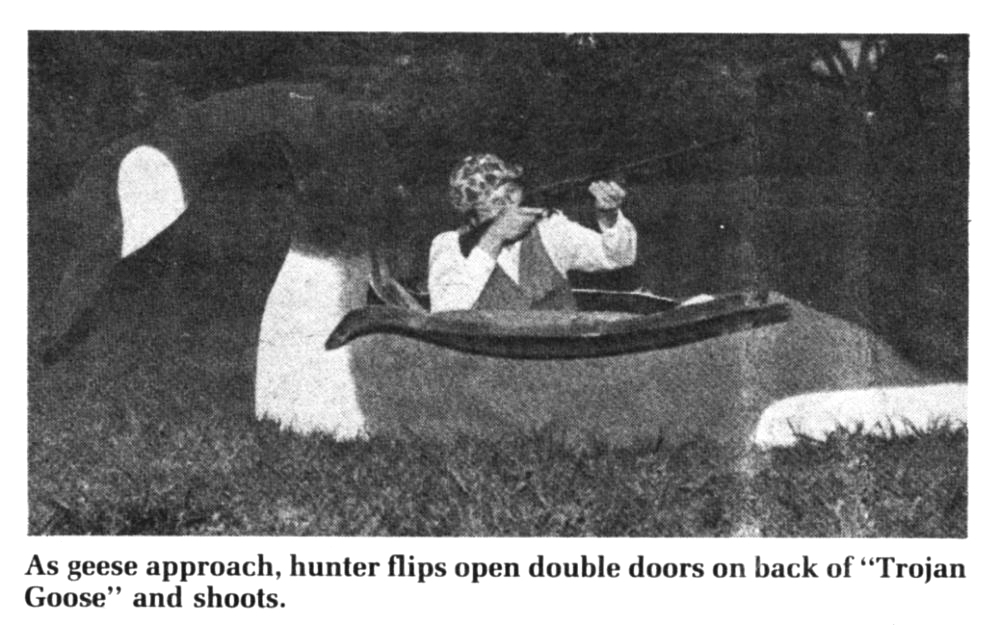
(864, 219)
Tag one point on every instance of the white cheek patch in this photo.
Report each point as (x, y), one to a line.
(878, 411)
(150, 196)
(299, 383)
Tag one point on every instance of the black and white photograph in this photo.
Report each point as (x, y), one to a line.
(472, 284)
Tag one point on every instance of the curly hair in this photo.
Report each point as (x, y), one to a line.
(476, 177)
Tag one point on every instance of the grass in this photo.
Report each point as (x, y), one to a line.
(863, 486)
(113, 453)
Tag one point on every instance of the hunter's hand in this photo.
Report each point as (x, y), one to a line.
(608, 198)
(513, 224)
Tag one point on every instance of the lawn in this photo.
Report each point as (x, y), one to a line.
(101, 462)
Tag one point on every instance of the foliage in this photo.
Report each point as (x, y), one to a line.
(543, 99)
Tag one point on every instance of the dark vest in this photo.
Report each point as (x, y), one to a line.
(541, 286)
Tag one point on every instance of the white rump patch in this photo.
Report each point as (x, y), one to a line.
(299, 383)
(878, 411)
(150, 196)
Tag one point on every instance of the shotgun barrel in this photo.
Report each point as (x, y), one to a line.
(558, 185)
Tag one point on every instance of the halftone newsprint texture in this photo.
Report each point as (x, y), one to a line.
(228, 250)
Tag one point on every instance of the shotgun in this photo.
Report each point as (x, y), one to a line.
(471, 234)
(611, 172)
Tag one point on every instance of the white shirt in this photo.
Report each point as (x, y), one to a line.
(455, 281)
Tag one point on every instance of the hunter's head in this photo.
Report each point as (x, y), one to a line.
(482, 186)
